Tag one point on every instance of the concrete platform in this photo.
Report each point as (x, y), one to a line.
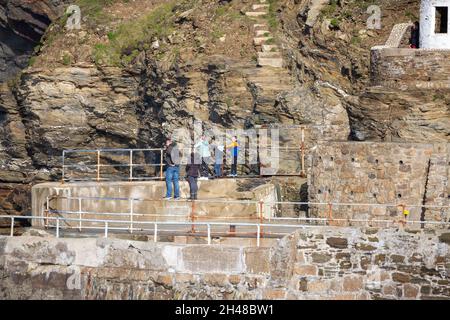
(215, 200)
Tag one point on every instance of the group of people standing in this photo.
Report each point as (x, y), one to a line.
(198, 166)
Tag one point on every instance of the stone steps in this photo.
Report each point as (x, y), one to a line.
(269, 48)
(267, 81)
(255, 13)
(258, 26)
(269, 55)
(272, 62)
(262, 33)
(257, 41)
(260, 6)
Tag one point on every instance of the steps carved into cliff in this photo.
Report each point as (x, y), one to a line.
(272, 62)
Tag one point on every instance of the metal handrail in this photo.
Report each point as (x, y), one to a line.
(301, 149)
(260, 215)
(255, 202)
(107, 228)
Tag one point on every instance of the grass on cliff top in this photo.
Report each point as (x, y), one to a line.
(131, 37)
(94, 9)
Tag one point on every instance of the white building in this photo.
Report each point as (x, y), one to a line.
(435, 24)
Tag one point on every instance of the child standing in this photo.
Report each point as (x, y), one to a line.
(234, 146)
(218, 156)
(192, 172)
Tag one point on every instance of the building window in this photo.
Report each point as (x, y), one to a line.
(441, 20)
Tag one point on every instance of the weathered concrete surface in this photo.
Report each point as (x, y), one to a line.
(213, 190)
(319, 263)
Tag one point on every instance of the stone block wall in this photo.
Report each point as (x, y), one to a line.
(352, 263)
(404, 68)
(382, 174)
(314, 263)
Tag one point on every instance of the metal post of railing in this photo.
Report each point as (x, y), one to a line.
(209, 234)
(63, 167)
(131, 215)
(261, 211)
(131, 165)
(303, 172)
(98, 165)
(258, 235)
(193, 216)
(161, 165)
(155, 232)
(330, 212)
(47, 208)
(79, 214)
(106, 229)
(12, 226)
(57, 227)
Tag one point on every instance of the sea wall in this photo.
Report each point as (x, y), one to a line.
(315, 263)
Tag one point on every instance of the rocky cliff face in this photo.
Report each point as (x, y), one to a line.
(22, 24)
(137, 71)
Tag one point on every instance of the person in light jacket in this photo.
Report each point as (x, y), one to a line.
(202, 147)
(218, 157)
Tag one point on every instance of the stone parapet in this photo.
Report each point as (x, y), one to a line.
(405, 68)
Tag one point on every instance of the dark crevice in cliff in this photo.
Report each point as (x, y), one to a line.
(424, 197)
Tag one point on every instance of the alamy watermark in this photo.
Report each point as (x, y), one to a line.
(254, 146)
(74, 19)
(374, 21)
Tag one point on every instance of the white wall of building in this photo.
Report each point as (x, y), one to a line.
(428, 38)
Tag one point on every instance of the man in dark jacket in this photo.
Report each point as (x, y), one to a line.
(415, 36)
(192, 172)
(172, 160)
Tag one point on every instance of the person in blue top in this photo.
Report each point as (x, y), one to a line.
(234, 149)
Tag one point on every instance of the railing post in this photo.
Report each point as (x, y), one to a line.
(57, 227)
(258, 235)
(131, 165)
(47, 208)
(193, 216)
(12, 227)
(98, 165)
(161, 165)
(155, 232)
(106, 229)
(79, 214)
(209, 234)
(330, 212)
(261, 211)
(131, 214)
(63, 167)
(302, 150)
